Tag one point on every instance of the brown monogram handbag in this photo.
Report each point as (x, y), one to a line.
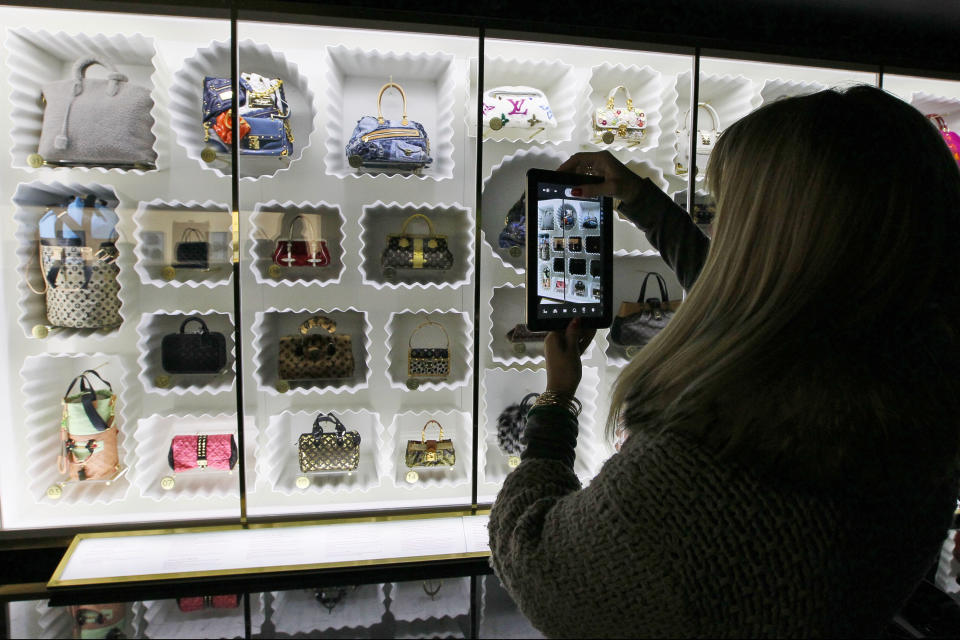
(406, 250)
(337, 450)
(306, 356)
(430, 453)
(428, 362)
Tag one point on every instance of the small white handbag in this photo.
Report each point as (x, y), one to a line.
(517, 108)
(611, 121)
(706, 139)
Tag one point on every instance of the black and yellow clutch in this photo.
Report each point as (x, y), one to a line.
(406, 250)
(431, 361)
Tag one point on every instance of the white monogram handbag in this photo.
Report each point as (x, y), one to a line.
(517, 108)
(612, 121)
(706, 138)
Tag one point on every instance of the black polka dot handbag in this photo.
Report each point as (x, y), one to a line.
(431, 361)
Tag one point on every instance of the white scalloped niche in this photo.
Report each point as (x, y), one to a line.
(947, 108)
(629, 270)
(37, 57)
(270, 222)
(400, 331)
(732, 96)
(151, 331)
(452, 220)
(297, 611)
(626, 235)
(32, 200)
(501, 190)
(776, 88)
(409, 600)
(556, 79)
(646, 89)
(160, 225)
(163, 619)
(186, 99)
(278, 460)
(354, 78)
(271, 325)
(45, 379)
(503, 387)
(457, 426)
(507, 309)
(153, 437)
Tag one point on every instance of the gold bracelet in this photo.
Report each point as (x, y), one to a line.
(557, 399)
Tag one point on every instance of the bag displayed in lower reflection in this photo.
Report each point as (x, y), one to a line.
(316, 357)
(336, 450)
(214, 451)
(198, 603)
(520, 333)
(330, 597)
(637, 323)
(428, 362)
(430, 453)
(510, 425)
(204, 351)
(88, 435)
(98, 620)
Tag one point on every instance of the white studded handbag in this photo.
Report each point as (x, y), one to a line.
(706, 139)
(613, 122)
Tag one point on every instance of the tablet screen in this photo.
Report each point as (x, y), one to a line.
(569, 253)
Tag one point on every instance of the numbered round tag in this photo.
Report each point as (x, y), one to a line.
(40, 331)
(515, 252)
(413, 384)
(303, 482)
(274, 271)
(519, 348)
(54, 491)
(167, 483)
(513, 461)
(412, 476)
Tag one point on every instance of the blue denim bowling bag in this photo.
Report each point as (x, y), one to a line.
(378, 143)
(263, 106)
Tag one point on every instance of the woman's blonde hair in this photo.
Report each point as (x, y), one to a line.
(819, 340)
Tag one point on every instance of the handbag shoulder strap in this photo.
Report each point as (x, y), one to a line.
(203, 325)
(191, 232)
(660, 281)
(426, 324)
(318, 321)
(423, 432)
(403, 95)
(613, 94)
(403, 229)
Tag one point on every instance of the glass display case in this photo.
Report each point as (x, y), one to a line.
(316, 307)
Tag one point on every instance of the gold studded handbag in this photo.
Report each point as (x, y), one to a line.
(428, 362)
(430, 453)
(335, 450)
(306, 356)
(406, 250)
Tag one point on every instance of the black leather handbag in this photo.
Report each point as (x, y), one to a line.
(193, 251)
(204, 351)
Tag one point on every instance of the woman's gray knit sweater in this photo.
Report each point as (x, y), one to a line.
(666, 541)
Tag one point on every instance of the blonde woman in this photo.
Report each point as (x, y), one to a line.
(791, 468)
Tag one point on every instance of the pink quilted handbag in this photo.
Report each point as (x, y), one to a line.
(952, 138)
(217, 451)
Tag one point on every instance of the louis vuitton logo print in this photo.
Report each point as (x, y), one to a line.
(517, 106)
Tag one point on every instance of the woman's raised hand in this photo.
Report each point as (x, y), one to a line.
(618, 180)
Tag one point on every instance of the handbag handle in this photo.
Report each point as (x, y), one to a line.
(403, 95)
(79, 73)
(403, 229)
(318, 321)
(304, 223)
(714, 116)
(191, 231)
(660, 281)
(939, 121)
(327, 417)
(85, 382)
(527, 400)
(203, 325)
(427, 323)
(423, 432)
(613, 94)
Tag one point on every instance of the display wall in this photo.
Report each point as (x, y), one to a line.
(364, 282)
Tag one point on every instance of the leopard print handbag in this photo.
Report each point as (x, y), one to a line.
(306, 356)
(510, 425)
(428, 362)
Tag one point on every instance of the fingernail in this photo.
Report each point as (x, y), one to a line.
(577, 191)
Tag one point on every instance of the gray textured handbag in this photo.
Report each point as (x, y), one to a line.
(638, 322)
(98, 122)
